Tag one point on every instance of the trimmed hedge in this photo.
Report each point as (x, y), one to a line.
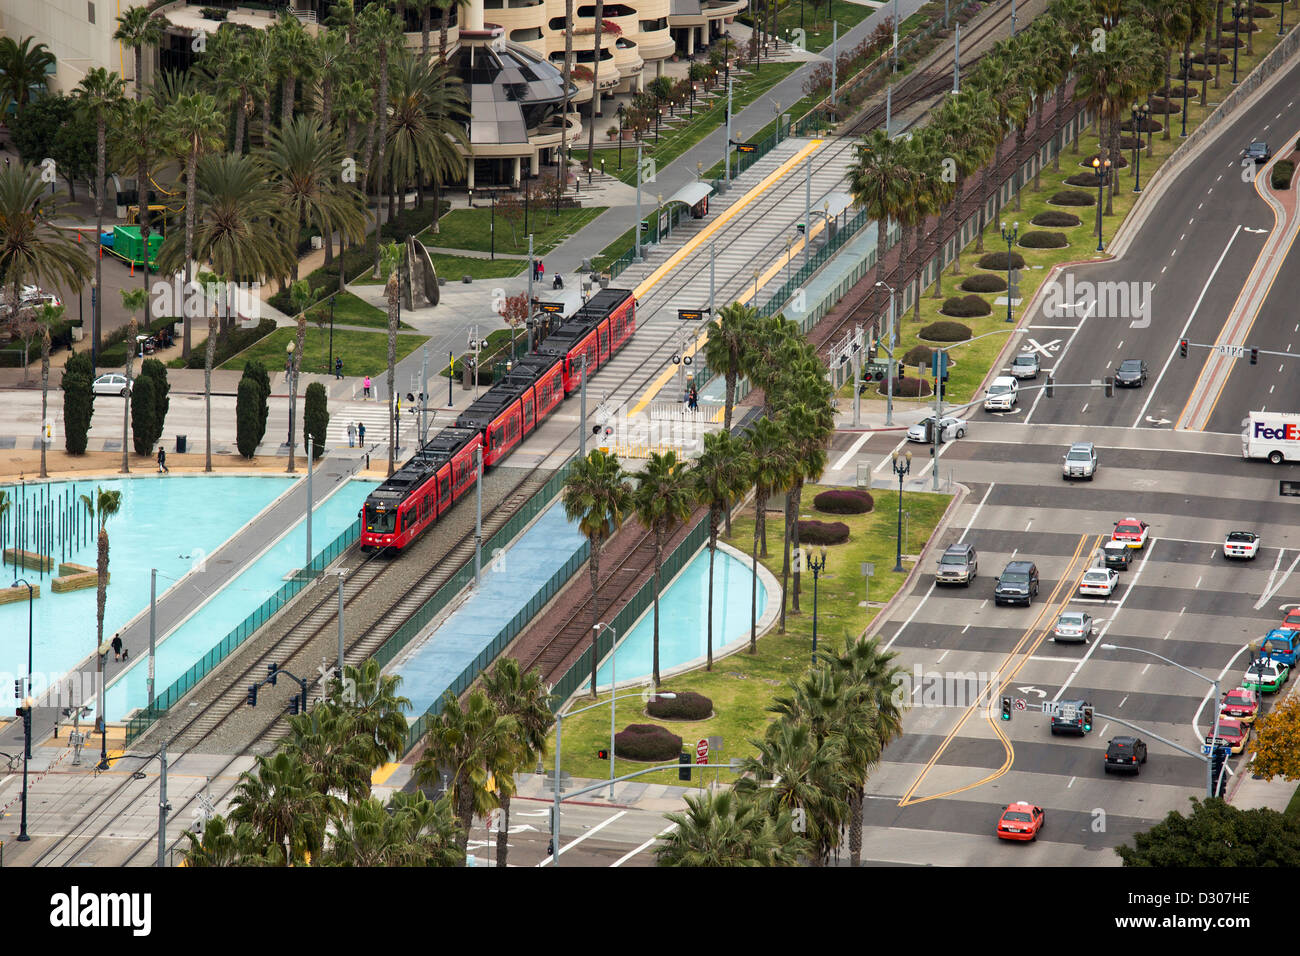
(1082, 179)
(844, 501)
(1052, 218)
(1039, 239)
(1161, 105)
(945, 332)
(1283, 170)
(648, 742)
(984, 282)
(966, 306)
(1131, 142)
(231, 342)
(78, 402)
(1147, 125)
(113, 354)
(823, 532)
(1000, 262)
(688, 705)
(1072, 197)
(918, 355)
(906, 388)
(1212, 58)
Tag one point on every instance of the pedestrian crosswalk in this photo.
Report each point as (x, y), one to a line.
(373, 417)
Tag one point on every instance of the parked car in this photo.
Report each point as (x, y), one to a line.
(1234, 733)
(111, 384)
(1240, 704)
(1125, 753)
(1266, 675)
(1080, 461)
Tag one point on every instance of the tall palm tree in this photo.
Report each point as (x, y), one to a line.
(811, 423)
(428, 102)
(325, 741)
(597, 495)
(965, 122)
(663, 500)
(369, 697)
(566, 84)
(380, 34)
(524, 697)
(719, 476)
(595, 81)
(876, 183)
(770, 454)
(724, 349)
(133, 301)
(222, 845)
(138, 28)
(390, 265)
(208, 282)
(281, 801)
(23, 68)
(138, 142)
(728, 829)
(100, 94)
(411, 830)
(100, 508)
(999, 75)
(292, 60)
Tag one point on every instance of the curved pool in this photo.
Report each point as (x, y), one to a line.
(683, 618)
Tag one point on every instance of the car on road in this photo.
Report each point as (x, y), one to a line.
(1080, 461)
(1257, 153)
(959, 564)
(1234, 733)
(1069, 718)
(1115, 554)
(1240, 704)
(1132, 373)
(1074, 626)
(1241, 544)
(1025, 365)
(1018, 584)
(1266, 676)
(1125, 754)
(1001, 394)
(112, 385)
(1132, 532)
(1020, 821)
(1292, 619)
(952, 428)
(1099, 582)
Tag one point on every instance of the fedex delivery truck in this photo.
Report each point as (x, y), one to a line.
(1272, 435)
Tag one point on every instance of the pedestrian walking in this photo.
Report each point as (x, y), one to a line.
(558, 283)
(352, 435)
(361, 432)
(365, 387)
(117, 646)
(541, 269)
(162, 461)
(338, 367)
(693, 399)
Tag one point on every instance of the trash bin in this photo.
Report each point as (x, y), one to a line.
(180, 444)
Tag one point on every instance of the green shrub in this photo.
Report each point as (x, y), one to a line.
(1051, 218)
(144, 409)
(1163, 106)
(648, 742)
(907, 387)
(1072, 197)
(78, 406)
(231, 342)
(1082, 179)
(315, 418)
(248, 424)
(823, 532)
(255, 370)
(984, 282)
(966, 306)
(945, 332)
(1283, 170)
(998, 261)
(844, 501)
(1212, 58)
(1148, 125)
(1037, 239)
(688, 705)
(113, 352)
(1132, 142)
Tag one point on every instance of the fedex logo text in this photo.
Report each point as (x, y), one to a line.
(1288, 432)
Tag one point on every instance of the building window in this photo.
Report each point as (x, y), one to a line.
(524, 34)
(90, 11)
(650, 26)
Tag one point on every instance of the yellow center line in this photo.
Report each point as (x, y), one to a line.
(1071, 577)
(383, 773)
(704, 235)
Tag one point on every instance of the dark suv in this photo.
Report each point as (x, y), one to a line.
(1018, 584)
(1068, 718)
(959, 564)
(1125, 754)
(1257, 151)
(1131, 372)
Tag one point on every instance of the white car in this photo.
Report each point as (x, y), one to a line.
(1025, 365)
(1241, 544)
(952, 428)
(111, 385)
(1099, 582)
(1001, 395)
(1073, 626)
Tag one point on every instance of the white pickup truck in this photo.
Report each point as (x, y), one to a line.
(1271, 435)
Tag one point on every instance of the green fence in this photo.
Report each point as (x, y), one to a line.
(138, 724)
(622, 623)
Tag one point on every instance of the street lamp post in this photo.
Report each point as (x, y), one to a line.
(816, 566)
(613, 690)
(619, 111)
(902, 464)
(1236, 37)
(27, 704)
(889, 352)
(1010, 238)
(493, 227)
(1102, 169)
(1187, 79)
(293, 394)
(94, 323)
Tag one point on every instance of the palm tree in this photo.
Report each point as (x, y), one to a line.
(23, 68)
(221, 846)
(965, 122)
(235, 75)
(427, 133)
(325, 741)
(138, 28)
(369, 697)
(380, 33)
(103, 506)
(770, 454)
(390, 265)
(999, 76)
(294, 60)
(49, 315)
(811, 423)
(597, 495)
(566, 82)
(875, 182)
(411, 830)
(595, 81)
(719, 476)
(724, 349)
(728, 829)
(524, 697)
(663, 500)
(207, 282)
(100, 94)
(138, 142)
(284, 806)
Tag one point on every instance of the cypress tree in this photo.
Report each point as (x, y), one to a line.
(315, 417)
(255, 370)
(78, 407)
(144, 408)
(248, 423)
(156, 371)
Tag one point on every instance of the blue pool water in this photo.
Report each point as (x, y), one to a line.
(683, 627)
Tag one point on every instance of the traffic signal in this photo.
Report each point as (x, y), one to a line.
(684, 766)
(1254, 356)
(602, 754)
(18, 688)
(272, 670)
(1182, 348)
(252, 695)
(1217, 758)
(1087, 718)
(1110, 386)
(1006, 708)
(1050, 383)
(293, 705)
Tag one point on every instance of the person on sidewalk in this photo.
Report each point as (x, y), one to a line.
(162, 461)
(361, 432)
(117, 646)
(338, 367)
(352, 435)
(365, 388)
(558, 283)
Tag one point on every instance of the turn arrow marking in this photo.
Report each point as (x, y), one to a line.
(1032, 690)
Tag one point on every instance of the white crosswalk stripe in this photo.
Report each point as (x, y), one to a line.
(374, 415)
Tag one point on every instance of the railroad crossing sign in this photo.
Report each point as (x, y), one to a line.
(702, 751)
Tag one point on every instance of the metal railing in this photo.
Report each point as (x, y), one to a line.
(142, 721)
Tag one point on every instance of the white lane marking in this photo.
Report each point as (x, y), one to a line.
(1122, 702)
(1106, 627)
(1071, 783)
(963, 631)
(1030, 525)
(1195, 308)
(592, 832)
(1273, 590)
(976, 513)
(1084, 409)
(853, 450)
(888, 460)
(644, 846)
(1061, 355)
(941, 657)
(919, 604)
(1198, 582)
(1196, 718)
(1270, 389)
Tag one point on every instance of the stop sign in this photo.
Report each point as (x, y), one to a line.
(702, 752)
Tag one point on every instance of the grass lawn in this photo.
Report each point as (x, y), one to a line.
(363, 353)
(350, 310)
(452, 268)
(741, 686)
(498, 349)
(816, 19)
(471, 229)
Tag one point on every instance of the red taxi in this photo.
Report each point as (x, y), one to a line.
(1020, 821)
(1131, 531)
(1240, 703)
